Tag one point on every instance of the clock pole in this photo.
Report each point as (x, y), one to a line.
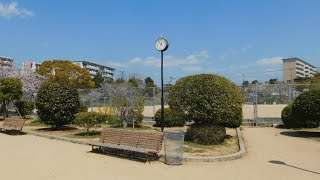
(162, 100)
(162, 45)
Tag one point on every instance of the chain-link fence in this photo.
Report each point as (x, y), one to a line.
(263, 102)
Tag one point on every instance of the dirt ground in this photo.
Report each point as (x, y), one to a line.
(272, 154)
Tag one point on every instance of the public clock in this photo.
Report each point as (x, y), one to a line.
(162, 44)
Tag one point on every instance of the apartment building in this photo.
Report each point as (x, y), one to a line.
(294, 68)
(6, 61)
(30, 66)
(93, 68)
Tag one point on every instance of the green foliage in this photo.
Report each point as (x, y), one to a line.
(135, 114)
(273, 81)
(255, 82)
(205, 135)
(171, 119)
(149, 82)
(245, 83)
(306, 109)
(98, 80)
(10, 89)
(120, 80)
(134, 82)
(24, 107)
(288, 118)
(208, 99)
(83, 108)
(66, 71)
(114, 121)
(57, 103)
(90, 119)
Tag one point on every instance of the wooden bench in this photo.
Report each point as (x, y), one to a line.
(148, 143)
(12, 124)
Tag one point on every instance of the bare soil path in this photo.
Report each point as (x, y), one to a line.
(29, 157)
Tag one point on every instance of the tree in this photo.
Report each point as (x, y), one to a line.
(24, 107)
(245, 84)
(120, 80)
(90, 119)
(208, 99)
(127, 101)
(98, 79)
(149, 82)
(65, 70)
(255, 82)
(31, 81)
(273, 81)
(57, 103)
(10, 89)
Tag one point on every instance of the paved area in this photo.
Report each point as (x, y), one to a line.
(29, 157)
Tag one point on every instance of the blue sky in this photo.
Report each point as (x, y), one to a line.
(231, 38)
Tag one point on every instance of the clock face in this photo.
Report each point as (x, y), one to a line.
(162, 44)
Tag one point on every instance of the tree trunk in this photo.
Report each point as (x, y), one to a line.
(87, 131)
(4, 109)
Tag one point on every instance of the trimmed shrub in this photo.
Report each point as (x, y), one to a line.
(205, 135)
(208, 99)
(90, 119)
(83, 108)
(306, 109)
(24, 107)
(57, 103)
(171, 119)
(288, 118)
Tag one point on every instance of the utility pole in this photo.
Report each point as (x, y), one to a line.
(255, 111)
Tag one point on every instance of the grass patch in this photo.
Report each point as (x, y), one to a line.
(90, 135)
(228, 146)
(36, 122)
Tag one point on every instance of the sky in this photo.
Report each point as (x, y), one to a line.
(241, 40)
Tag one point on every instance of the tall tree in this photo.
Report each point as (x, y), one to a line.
(245, 84)
(98, 79)
(10, 89)
(255, 82)
(65, 70)
(273, 81)
(149, 82)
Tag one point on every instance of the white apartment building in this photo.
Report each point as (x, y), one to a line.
(294, 68)
(93, 68)
(6, 61)
(30, 66)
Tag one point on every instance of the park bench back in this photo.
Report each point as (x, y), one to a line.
(145, 140)
(14, 124)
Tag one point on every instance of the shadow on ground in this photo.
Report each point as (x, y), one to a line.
(285, 164)
(64, 128)
(137, 157)
(13, 133)
(302, 134)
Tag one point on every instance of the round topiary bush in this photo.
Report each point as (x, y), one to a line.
(306, 109)
(57, 103)
(171, 119)
(208, 99)
(205, 135)
(288, 118)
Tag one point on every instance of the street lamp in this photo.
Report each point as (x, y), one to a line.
(162, 45)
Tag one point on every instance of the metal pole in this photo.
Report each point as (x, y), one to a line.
(162, 103)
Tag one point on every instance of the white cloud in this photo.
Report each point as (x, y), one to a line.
(12, 10)
(135, 60)
(270, 61)
(116, 65)
(173, 61)
(192, 68)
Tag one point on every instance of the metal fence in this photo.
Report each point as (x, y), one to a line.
(260, 100)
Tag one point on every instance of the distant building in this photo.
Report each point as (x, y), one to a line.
(294, 68)
(93, 68)
(30, 66)
(6, 61)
